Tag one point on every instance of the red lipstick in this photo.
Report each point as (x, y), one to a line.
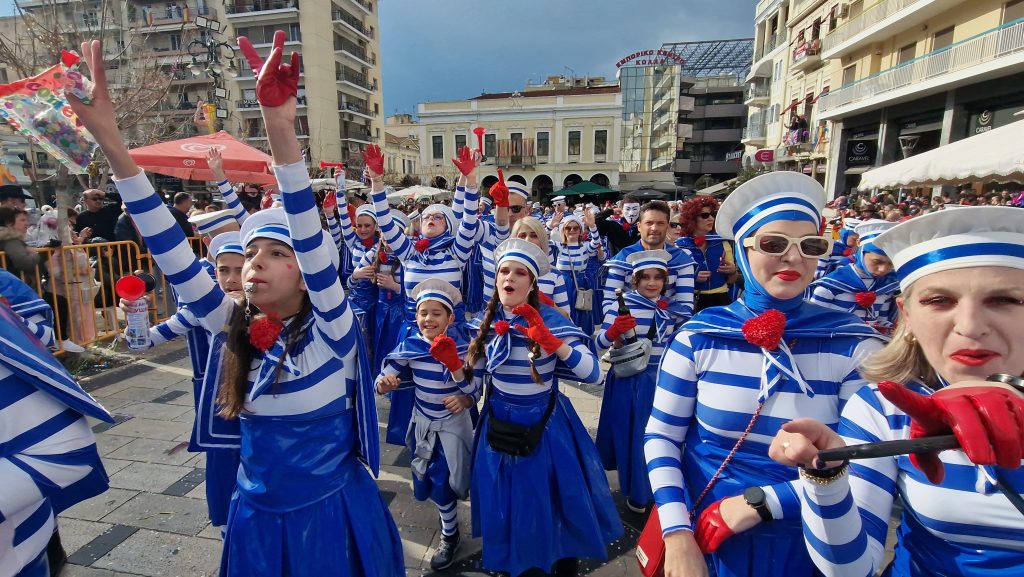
(973, 357)
(788, 275)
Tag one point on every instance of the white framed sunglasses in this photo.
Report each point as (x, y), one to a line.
(775, 244)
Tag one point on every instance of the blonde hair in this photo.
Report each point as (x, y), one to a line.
(901, 360)
(532, 224)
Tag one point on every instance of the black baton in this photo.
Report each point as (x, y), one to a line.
(890, 448)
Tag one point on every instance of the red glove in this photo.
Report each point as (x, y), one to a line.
(988, 422)
(374, 160)
(545, 299)
(620, 325)
(499, 192)
(276, 82)
(711, 529)
(443, 349)
(465, 161)
(330, 202)
(537, 332)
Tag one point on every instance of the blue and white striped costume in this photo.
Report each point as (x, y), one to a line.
(300, 486)
(555, 503)
(34, 312)
(489, 234)
(681, 274)
(48, 456)
(232, 202)
(574, 265)
(963, 526)
(838, 290)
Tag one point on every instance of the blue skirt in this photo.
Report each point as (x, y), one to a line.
(387, 316)
(625, 409)
(473, 282)
(773, 549)
(221, 475)
(38, 567)
(555, 503)
(585, 320)
(350, 532)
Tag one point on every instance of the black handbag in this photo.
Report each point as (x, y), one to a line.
(510, 438)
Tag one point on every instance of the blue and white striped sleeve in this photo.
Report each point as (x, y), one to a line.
(560, 294)
(616, 280)
(582, 362)
(468, 224)
(391, 367)
(335, 230)
(232, 201)
(172, 252)
(602, 340)
(348, 234)
(393, 234)
(334, 319)
(674, 401)
(822, 295)
(40, 326)
(846, 521)
(179, 324)
(684, 286)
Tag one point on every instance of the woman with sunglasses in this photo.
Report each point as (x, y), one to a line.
(713, 255)
(953, 367)
(731, 377)
(574, 265)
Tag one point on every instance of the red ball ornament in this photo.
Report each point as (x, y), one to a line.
(865, 299)
(501, 327)
(422, 244)
(662, 304)
(264, 331)
(765, 330)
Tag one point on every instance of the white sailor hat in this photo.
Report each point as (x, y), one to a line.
(366, 210)
(517, 188)
(646, 259)
(413, 215)
(945, 240)
(525, 253)
(449, 216)
(557, 199)
(436, 290)
(209, 222)
(851, 223)
(486, 202)
(767, 198)
(536, 205)
(271, 223)
(226, 242)
(869, 229)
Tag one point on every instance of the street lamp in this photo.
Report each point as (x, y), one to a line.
(213, 51)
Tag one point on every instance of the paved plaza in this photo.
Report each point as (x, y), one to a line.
(152, 521)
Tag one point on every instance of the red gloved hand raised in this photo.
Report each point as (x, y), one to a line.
(499, 191)
(444, 350)
(465, 161)
(275, 82)
(330, 202)
(537, 331)
(988, 421)
(711, 529)
(374, 160)
(620, 325)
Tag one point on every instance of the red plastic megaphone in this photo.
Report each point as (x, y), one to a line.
(324, 165)
(479, 132)
(130, 288)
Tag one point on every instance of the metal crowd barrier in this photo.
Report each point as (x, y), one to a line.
(80, 280)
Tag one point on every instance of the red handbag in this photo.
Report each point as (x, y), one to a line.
(650, 547)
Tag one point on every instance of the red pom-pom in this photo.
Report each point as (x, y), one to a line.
(422, 244)
(263, 332)
(848, 252)
(626, 226)
(865, 299)
(545, 299)
(700, 240)
(662, 304)
(369, 242)
(765, 330)
(382, 256)
(501, 327)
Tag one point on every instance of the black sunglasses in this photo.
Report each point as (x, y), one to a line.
(516, 209)
(708, 214)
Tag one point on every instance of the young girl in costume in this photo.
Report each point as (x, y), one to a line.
(390, 309)
(295, 374)
(441, 433)
(627, 400)
(733, 375)
(359, 241)
(540, 499)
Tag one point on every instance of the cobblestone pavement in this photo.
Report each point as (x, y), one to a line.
(152, 521)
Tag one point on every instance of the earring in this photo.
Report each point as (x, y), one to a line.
(910, 339)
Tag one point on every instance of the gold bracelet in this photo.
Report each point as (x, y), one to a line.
(832, 474)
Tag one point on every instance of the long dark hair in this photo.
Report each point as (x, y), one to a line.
(476, 347)
(238, 354)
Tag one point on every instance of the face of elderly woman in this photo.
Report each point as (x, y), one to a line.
(968, 322)
(786, 276)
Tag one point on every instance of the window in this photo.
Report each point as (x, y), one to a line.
(1013, 11)
(293, 33)
(460, 142)
(943, 38)
(600, 142)
(437, 144)
(175, 41)
(490, 145)
(574, 143)
(516, 139)
(849, 74)
(542, 143)
(907, 53)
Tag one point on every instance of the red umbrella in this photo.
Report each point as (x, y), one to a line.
(186, 158)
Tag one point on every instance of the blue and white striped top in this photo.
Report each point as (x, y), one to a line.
(679, 287)
(433, 382)
(34, 312)
(645, 314)
(553, 285)
(575, 257)
(707, 393)
(232, 201)
(838, 290)
(489, 234)
(963, 526)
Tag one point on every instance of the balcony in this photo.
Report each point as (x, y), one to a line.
(352, 23)
(684, 131)
(516, 153)
(681, 165)
(354, 51)
(996, 52)
(356, 108)
(807, 56)
(246, 104)
(773, 42)
(172, 18)
(756, 133)
(757, 94)
(346, 76)
(801, 8)
(722, 135)
(686, 104)
(364, 6)
(883, 20)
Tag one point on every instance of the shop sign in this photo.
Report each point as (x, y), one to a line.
(734, 156)
(807, 168)
(990, 119)
(765, 155)
(861, 152)
(651, 58)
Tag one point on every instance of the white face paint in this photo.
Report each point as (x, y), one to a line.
(631, 212)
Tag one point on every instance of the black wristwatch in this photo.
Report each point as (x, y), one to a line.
(754, 496)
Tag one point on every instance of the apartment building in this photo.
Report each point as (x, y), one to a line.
(548, 136)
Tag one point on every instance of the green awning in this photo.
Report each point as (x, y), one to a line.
(585, 187)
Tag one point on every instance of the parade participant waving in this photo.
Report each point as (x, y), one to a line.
(733, 375)
(574, 264)
(294, 370)
(628, 398)
(441, 434)
(361, 245)
(961, 322)
(540, 497)
(866, 287)
(712, 255)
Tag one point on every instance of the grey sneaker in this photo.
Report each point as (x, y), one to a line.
(445, 554)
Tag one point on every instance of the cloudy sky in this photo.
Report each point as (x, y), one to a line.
(452, 49)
